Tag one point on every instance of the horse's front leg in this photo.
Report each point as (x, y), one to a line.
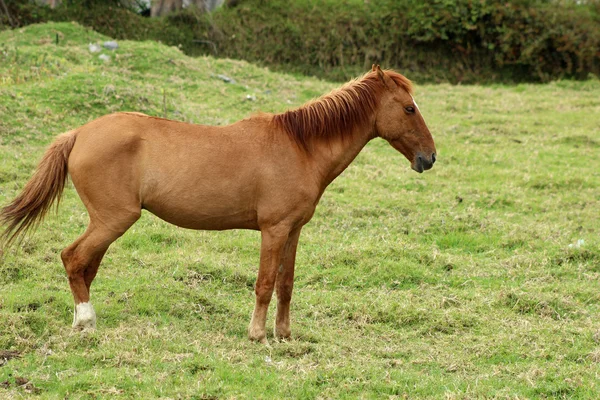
(271, 251)
(285, 285)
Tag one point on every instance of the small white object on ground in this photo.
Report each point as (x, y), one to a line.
(104, 57)
(111, 45)
(94, 48)
(225, 78)
(577, 245)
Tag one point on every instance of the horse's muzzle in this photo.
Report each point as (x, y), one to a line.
(423, 162)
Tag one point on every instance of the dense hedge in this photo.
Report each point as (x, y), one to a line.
(459, 40)
(451, 40)
(107, 17)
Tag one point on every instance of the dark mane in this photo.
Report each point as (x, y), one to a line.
(336, 113)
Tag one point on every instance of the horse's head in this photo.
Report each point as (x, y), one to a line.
(400, 122)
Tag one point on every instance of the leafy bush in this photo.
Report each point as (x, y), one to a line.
(459, 40)
(440, 40)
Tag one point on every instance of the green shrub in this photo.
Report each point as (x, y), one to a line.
(458, 40)
(441, 40)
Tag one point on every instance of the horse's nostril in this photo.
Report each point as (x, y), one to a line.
(433, 158)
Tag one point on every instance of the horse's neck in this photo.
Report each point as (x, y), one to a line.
(332, 157)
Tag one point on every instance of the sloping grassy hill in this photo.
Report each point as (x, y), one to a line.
(478, 279)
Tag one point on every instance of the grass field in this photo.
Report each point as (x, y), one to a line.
(477, 279)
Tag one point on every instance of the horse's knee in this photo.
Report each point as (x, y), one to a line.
(69, 262)
(72, 262)
(66, 255)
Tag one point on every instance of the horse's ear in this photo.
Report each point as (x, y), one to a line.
(387, 81)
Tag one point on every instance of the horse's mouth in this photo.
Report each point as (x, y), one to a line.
(417, 167)
(422, 163)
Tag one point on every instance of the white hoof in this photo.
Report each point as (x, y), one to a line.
(84, 317)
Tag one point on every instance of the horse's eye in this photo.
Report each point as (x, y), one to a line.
(410, 109)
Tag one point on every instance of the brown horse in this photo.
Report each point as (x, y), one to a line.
(266, 173)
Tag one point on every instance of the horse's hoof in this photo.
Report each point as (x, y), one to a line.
(84, 326)
(262, 341)
(84, 317)
(258, 337)
(283, 334)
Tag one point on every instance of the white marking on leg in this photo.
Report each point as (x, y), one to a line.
(85, 317)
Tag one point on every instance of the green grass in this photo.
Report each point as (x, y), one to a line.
(457, 283)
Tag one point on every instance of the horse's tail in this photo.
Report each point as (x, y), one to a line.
(42, 190)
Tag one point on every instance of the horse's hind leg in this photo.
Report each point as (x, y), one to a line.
(90, 272)
(82, 259)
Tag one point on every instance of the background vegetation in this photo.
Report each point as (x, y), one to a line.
(442, 40)
(477, 279)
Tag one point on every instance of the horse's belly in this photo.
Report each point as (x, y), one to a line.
(205, 218)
